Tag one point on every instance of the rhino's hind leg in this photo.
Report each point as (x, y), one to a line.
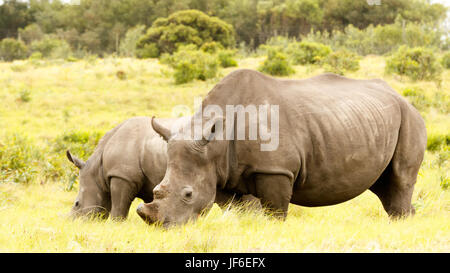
(395, 192)
(122, 194)
(396, 185)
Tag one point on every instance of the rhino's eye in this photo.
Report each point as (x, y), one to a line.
(187, 193)
(77, 203)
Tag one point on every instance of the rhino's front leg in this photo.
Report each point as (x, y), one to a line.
(275, 192)
(122, 194)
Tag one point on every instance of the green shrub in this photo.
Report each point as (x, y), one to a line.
(226, 58)
(443, 157)
(19, 159)
(436, 142)
(276, 64)
(278, 42)
(307, 52)
(185, 72)
(341, 61)
(417, 98)
(128, 44)
(304, 52)
(80, 143)
(31, 33)
(51, 48)
(380, 39)
(20, 67)
(189, 64)
(445, 60)
(444, 181)
(149, 50)
(12, 49)
(72, 59)
(211, 47)
(441, 102)
(25, 95)
(417, 63)
(35, 56)
(181, 28)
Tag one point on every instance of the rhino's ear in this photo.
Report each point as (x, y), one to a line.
(213, 129)
(77, 162)
(161, 130)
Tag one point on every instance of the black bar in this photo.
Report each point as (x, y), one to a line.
(224, 262)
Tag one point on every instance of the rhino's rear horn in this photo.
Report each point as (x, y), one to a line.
(161, 130)
(77, 162)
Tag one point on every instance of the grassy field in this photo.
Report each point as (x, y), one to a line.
(48, 106)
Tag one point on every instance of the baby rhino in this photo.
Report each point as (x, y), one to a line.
(128, 162)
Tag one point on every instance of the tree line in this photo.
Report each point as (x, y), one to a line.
(99, 26)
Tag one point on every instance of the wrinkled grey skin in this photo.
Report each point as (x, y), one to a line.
(338, 137)
(129, 161)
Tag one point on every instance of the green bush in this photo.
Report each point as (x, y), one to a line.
(31, 33)
(211, 47)
(190, 63)
(148, 51)
(307, 52)
(444, 181)
(35, 56)
(417, 63)
(72, 59)
(441, 102)
(12, 49)
(341, 61)
(276, 64)
(51, 48)
(226, 58)
(417, 98)
(276, 42)
(184, 27)
(19, 67)
(435, 142)
(80, 143)
(380, 39)
(19, 159)
(423, 101)
(128, 44)
(185, 72)
(25, 95)
(445, 60)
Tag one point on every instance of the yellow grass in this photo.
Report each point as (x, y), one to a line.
(88, 95)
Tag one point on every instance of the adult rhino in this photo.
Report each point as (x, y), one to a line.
(338, 137)
(128, 162)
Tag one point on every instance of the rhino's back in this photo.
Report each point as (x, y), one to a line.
(136, 153)
(122, 152)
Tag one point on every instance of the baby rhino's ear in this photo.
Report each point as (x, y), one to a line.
(77, 162)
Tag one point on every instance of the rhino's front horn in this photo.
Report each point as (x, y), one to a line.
(161, 130)
(148, 212)
(77, 162)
